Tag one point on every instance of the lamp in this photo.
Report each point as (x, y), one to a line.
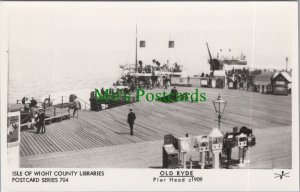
(219, 105)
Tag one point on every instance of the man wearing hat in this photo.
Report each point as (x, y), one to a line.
(33, 103)
(32, 107)
(41, 121)
(130, 120)
(77, 106)
(174, 94)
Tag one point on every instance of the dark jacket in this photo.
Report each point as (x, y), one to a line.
(33, 103)
(40, 119)
(174, 91)
(131, 117)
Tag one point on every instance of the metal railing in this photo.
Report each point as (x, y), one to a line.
(47, 106)
(85, 104)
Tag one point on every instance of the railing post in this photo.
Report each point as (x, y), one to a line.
(54, 111)
(69, 112)
(85, 105)
(62, 101)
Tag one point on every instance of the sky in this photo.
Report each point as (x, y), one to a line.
(91, 39)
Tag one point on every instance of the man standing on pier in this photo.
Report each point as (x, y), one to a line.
(130, 120)
(41, 122)
(77, 106)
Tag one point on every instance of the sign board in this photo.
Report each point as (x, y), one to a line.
(13, 139)
(204, 82)
(142, 44)
(13, 128)
(185, 144)
(213, 83)
(171, 44)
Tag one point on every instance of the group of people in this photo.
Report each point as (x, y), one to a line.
(31, 106)
(37, 114)
(40, 121)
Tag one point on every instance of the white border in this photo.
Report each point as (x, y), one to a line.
(3, 92)
(141, 179)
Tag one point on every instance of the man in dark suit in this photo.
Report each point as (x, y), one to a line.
(32, 104)
(173, 95)
(130, 120)
(40, 122)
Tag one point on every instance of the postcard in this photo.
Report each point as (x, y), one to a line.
(149, 96)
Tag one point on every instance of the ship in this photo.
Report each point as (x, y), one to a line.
(140, 75)
(226, 62)
(149, 76)
(226, 69)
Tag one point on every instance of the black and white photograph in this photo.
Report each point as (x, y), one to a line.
(151, 86)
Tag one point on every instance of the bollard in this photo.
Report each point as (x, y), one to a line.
(184, 146)
(216, 145)
(216, 160)
(179, 159)
(191, 162)
(202, 146)
(241, 157)
(247, 155)
(202, 160)
(242, 144)
(208, 158)
(183, 160)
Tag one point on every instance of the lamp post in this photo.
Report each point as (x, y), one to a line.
(219, 105)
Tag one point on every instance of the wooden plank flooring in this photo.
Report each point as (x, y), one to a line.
(93, 130)
(149, 155)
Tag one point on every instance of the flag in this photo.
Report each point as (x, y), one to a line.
(142, 44)
(171, 44)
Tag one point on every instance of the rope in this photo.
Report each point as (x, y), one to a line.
(83, 101)
(25, 119)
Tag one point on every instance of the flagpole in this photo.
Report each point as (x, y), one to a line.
(8, 51)
(286, 63)
(136, 48)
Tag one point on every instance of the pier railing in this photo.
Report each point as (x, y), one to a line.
(58, 111)
(52, 112)
(87, 106)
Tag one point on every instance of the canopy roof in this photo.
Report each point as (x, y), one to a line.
(215, 133)
(284, 74)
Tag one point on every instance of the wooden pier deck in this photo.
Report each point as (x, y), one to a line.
(107, 132)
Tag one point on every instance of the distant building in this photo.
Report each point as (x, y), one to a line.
(278, 83)
(179, 81)
(281, 83)
(263, 82)
(194, 81)
(204, 81)
(219, 79)
(232, 82)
